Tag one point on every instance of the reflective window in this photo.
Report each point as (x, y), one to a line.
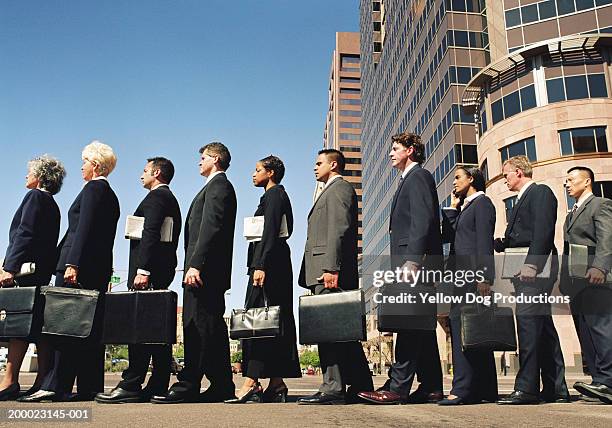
(584, 4)
(497, 111)
(351, 113)
(350, 124)
(353, 137)
(461, 38)
(576, 87)
(602, 2)
(528, 98)
(583, 140)
(597, 85)
(547, 9)
(349, 79)
(463, 74)
(354, 102)
(565, 6)
(529, 13)
(524, 147)
(603, 189)
(513, 17)
(554, 88)
(512, 104)
(484, 168)
(350, 91)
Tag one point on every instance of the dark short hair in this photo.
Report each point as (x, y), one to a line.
(165, 167)
(409, 139)
(218, 149)
(476, 174)
(589, 171)
(273, 163)
(335, 155)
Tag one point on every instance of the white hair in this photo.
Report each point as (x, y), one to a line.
(101, 155)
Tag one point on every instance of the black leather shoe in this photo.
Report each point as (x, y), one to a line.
(588, 399)
(452, 401)
(595, 390)
(40, 396)
(321, 398)
(119, 396)
(212, 396)
(10, 393)
(175, 397)
(423, 397)
(520, 397)
(253, 395)
(556, 398)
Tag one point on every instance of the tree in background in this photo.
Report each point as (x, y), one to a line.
(310, 358)
(236, 357)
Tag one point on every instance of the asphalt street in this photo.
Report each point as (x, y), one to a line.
(293, 415)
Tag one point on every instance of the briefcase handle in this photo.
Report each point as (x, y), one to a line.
(266, 304)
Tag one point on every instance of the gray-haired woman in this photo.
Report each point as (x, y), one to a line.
(32, 239)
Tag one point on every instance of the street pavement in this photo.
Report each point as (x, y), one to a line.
(292, 415)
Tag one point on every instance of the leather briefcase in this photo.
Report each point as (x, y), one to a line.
(256, 323)
(21, 312)
(487, 328)
(69, 312)
(514, 259)
(140, 317)
(332, 317)
(396, 312)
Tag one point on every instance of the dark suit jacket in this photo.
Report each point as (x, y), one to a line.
(88, 243)
(591, 225)
(331, 239)
(148, 253)
(414, 225)
(209, 241)
(470, 232)
(532, 224)
(33, 236)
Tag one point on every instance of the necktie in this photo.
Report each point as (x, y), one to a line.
(574, 209)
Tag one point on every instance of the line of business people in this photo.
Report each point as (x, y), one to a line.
(329, 263)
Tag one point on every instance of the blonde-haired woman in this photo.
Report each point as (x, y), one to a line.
(86, 259)
(32, 239)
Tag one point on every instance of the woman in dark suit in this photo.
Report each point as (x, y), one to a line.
(469, 225)
(32, 239)
(269, 263)
(85, 260)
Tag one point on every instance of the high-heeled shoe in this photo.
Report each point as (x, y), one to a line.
(278, 395)
(10, 393)
(253, 395)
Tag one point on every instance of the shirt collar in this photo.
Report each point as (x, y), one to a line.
(331, 179)
(471, 198)
(157, 186)
(582, 198)
(524, 188)
(210, 177)
(408, 168)
(100, 177)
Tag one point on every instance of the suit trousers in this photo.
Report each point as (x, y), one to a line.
(140, 356)
(474, 372)
(416, 353)
(539, 347)
(207, 354)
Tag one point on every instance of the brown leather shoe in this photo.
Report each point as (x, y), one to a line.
(380, 397)
(421, 397)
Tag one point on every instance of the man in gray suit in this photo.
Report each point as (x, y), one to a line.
(329, 264)
(590, 223)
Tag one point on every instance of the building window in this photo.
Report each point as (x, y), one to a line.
(350, 113)
(548, 9)
(600, 188)
(353, 91)
(376, 6)
(353, 161)
(350, 102)
(350, 124)
(466, 154)
(349, 80)
(349, 59)
(350, 149)
(484, 168)
(576, 87)
(509, 204)
(513, 103)
(524, 147)
(352, 137)
(583, 140)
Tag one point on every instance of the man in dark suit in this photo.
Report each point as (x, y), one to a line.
(415, 242)
(590, 224)
(209, 240)
(329, 264)
(152, 265)
(532, 224)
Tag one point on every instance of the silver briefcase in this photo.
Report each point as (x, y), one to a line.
(514, 259)
(332, 317)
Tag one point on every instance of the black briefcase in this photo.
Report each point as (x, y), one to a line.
(400, 306)
(21, 312)
(69, 312)
(140, 317)
(332, 317)
(487, 328)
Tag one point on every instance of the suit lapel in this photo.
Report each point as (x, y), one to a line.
(321, 195)
(399, 188)
(518, 205)
(579, 211)
(467, 208)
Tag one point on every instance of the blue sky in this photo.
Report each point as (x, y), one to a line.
(164, 78)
